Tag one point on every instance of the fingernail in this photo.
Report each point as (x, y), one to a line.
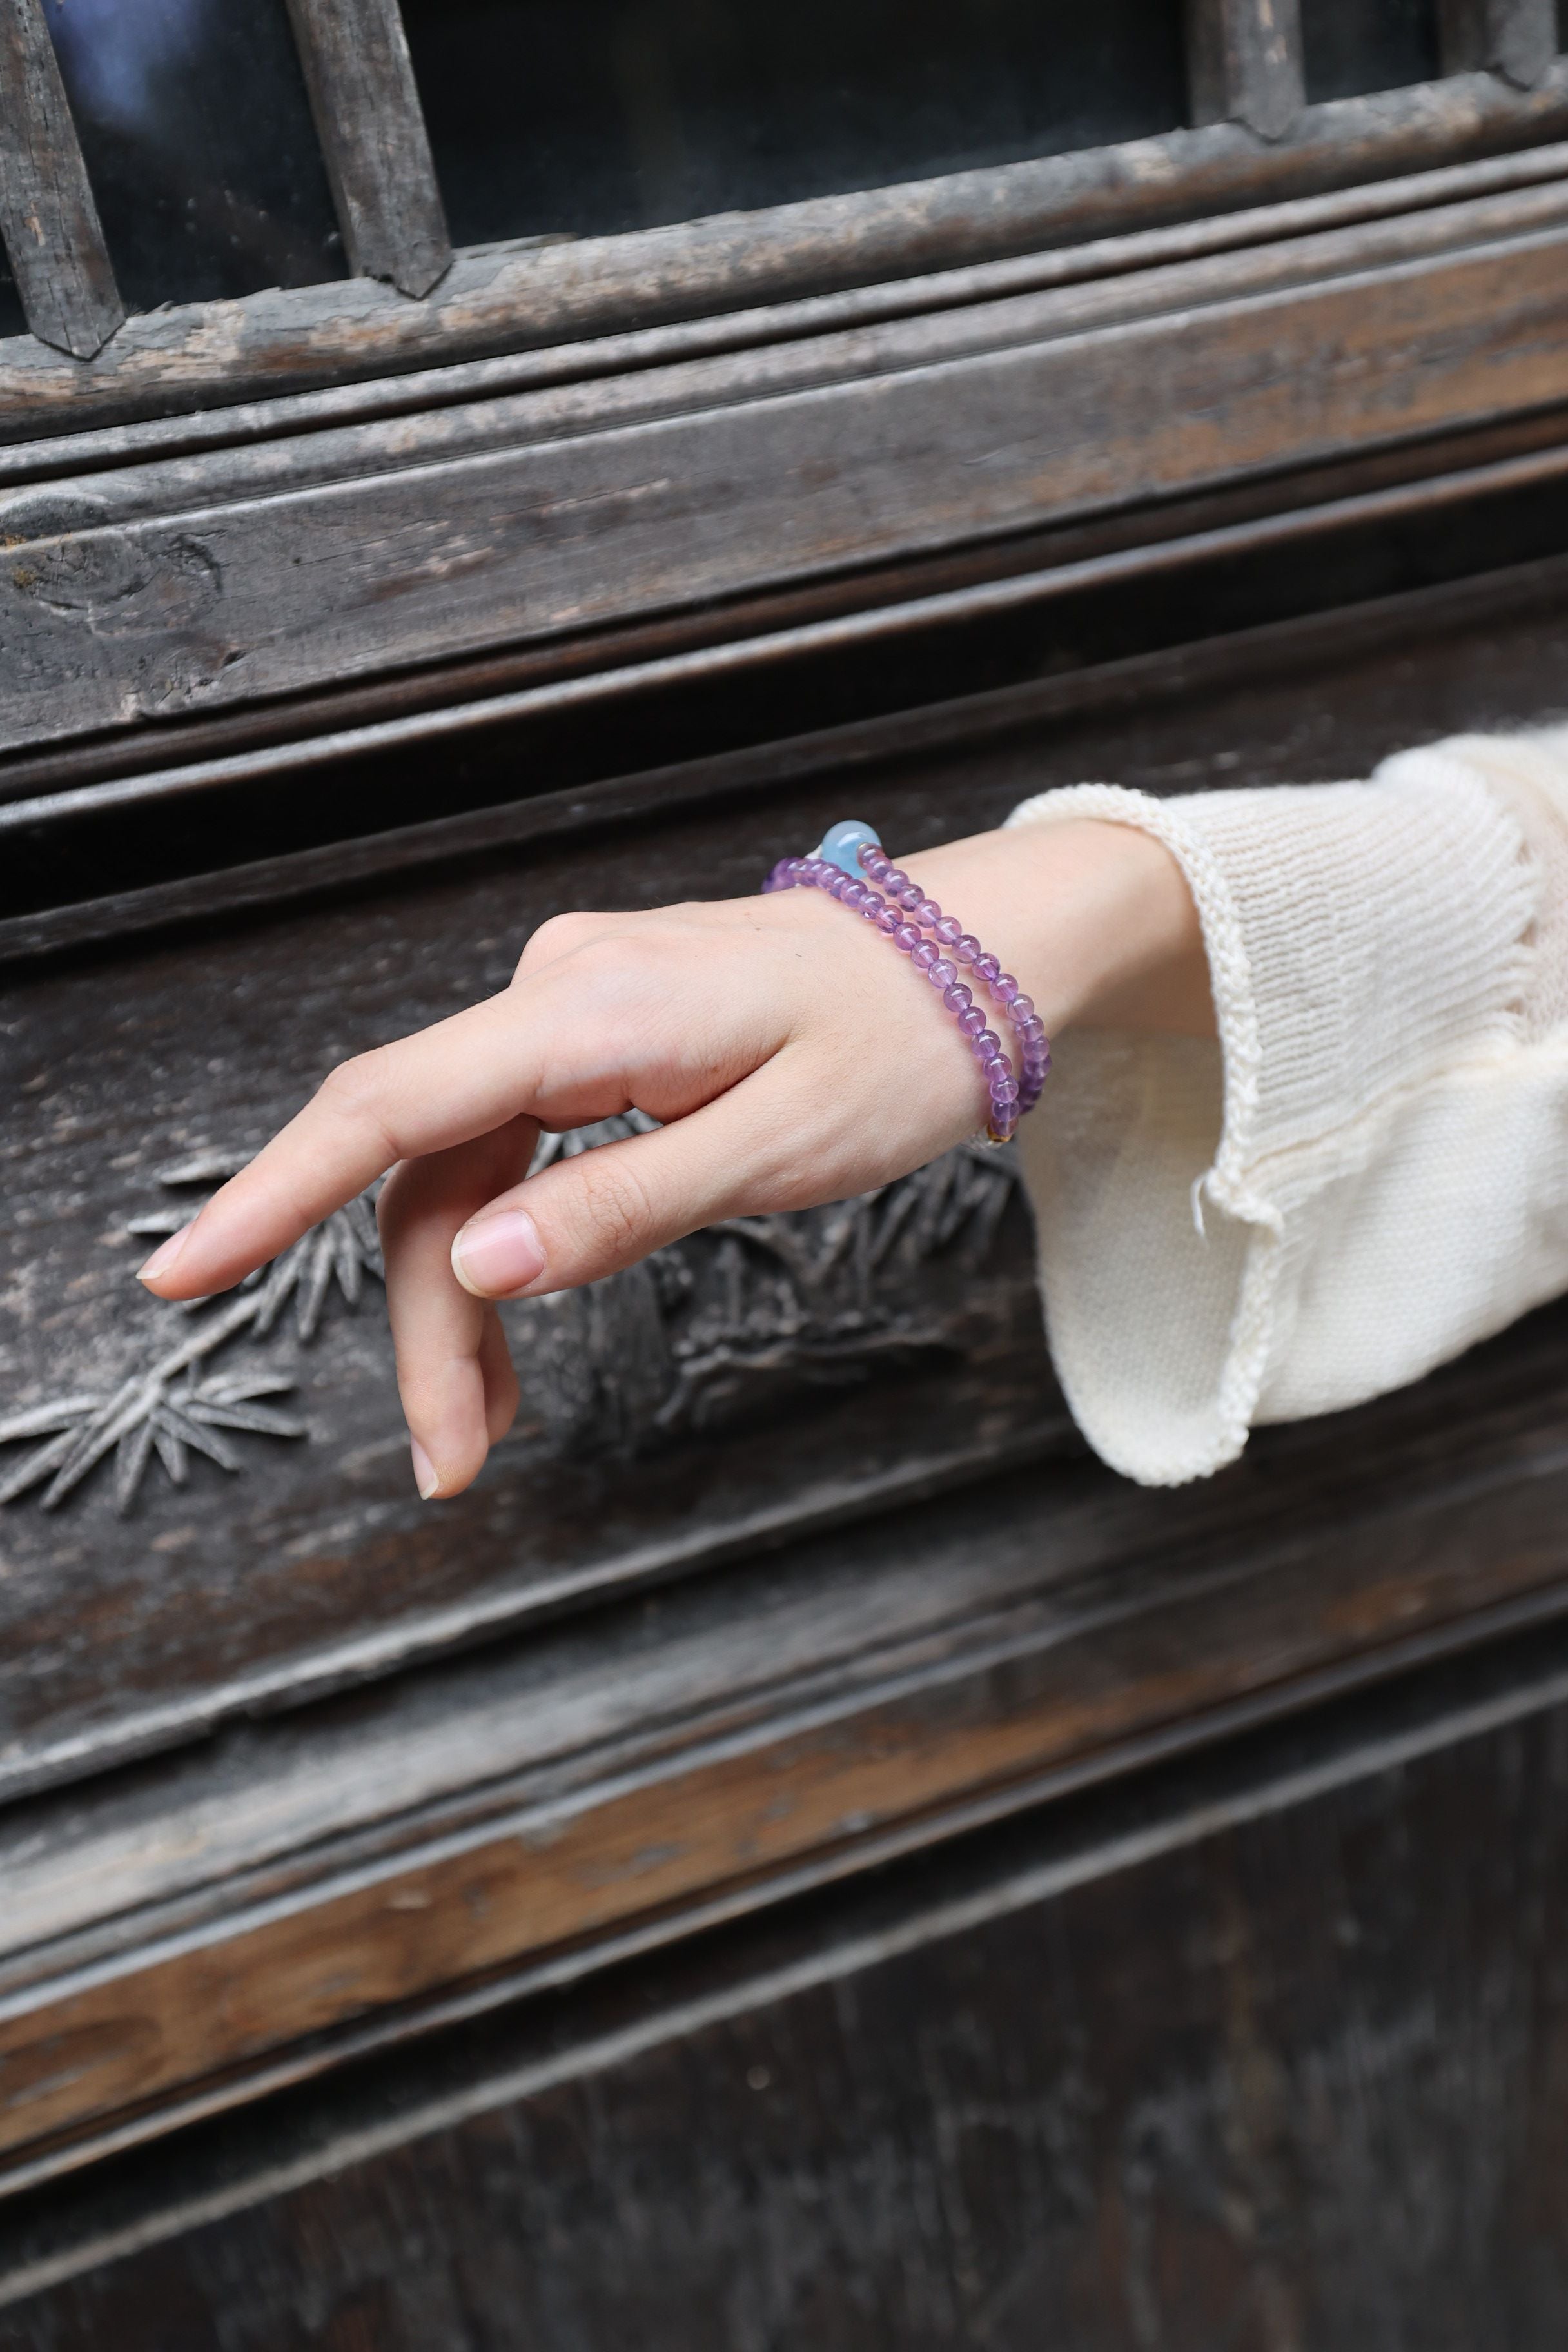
(498, 1253)
(426, 1477)
(163, 1256)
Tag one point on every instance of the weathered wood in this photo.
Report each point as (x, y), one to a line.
(1268, 2042)
(1515, 38)
(747, 470)
(819, 1714)
(320, 1566)
(494, 300)
(1244, 63)
(371, 130)
(49, 220)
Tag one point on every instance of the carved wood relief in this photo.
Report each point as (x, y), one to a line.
(709, 1328)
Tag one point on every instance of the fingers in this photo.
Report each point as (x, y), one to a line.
(583, 1218)
(421, 1096)
(454, 1374)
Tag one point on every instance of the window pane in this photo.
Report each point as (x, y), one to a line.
(592, 115)
(197, 133)
(11, 322)
(1353, 46)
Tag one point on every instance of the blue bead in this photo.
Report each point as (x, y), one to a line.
(841, 842)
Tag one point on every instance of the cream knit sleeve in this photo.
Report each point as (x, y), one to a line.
(1369, 1170)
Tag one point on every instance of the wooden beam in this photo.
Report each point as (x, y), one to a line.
(47, 217)
(1244, 63)
(1515, 38)
(372, 129)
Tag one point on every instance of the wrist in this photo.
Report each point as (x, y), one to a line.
(1094, 919)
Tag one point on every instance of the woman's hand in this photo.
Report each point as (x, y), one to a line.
(789, 1052)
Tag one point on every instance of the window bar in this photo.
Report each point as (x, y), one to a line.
(54, 238)
(1244, 63)
(1515, 38)
(371, 130)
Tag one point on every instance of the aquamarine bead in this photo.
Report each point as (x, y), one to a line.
(841, 845)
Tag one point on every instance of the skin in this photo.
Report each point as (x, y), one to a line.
(789, 1051)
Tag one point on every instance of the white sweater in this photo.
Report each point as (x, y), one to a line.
(1369, 1170)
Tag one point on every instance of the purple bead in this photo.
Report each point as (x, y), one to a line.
(943, 973)
(987, 1040)
(1033, 1027)
(972, 1022)
(1005, 989)
(1020, 1009)
(987, 967)
(928, 913)
(888, 919)
(909, 898)
(907, 938)
(924, 956)
(966, 947)
(872, 857)
(958, 998)
(948, 933)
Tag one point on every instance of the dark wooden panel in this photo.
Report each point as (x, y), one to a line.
(321, 1560)
(218, 580)
(493, 302)
(373, 135)
(1271, 2055)
(1244, 63)
(54, 240)
(803, 1718)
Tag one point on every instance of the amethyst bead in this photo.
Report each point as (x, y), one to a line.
(924, 956)
(972, 1022)
(987, 1040)
(907, 938)
(948, 933)
(943, 972)
(958, 998)
(1005, 989)
(966, 947)
(1021, 1008)
(887, 919)
(987, 967)
(928, 914)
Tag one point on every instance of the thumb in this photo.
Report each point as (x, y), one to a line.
(581, 1219)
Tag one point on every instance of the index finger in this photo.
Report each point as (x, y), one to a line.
(441, 1086)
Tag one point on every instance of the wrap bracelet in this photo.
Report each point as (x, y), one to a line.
(853, 867)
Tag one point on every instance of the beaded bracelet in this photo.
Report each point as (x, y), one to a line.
(937, 945)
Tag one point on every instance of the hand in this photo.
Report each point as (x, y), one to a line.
(789, 1052)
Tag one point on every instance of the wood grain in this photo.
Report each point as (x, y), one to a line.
(909, 1741)
(1269, 2054)
(1515, 38)
(252, 574)
(321, 1568)
(176, 360)
(1244, 63)
(371, 130)
(54, 240)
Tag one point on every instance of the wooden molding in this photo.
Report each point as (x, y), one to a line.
(250, 1917)
(183, 587)
(48, 219)
(505, 298)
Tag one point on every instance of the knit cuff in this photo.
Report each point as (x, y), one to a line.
(1360, 939)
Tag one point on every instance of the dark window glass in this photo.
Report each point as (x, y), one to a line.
(1354, 46)
(11, 322)
(592, 115)
(197, 133)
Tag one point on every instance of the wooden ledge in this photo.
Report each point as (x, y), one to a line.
(254, 1912)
